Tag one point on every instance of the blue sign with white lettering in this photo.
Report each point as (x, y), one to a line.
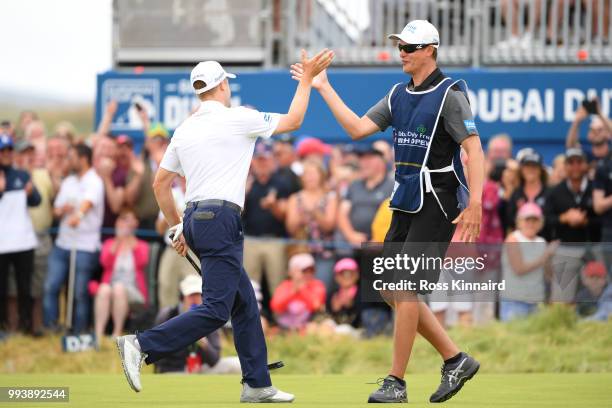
(534, 107)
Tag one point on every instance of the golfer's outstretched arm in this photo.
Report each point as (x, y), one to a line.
(357, 127)
(295, 116)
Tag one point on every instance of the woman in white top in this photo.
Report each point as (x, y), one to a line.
(525, 263)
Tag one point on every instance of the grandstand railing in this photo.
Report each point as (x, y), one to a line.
(180, 32)
(473, 32)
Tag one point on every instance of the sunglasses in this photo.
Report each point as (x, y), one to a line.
(599, 144)
(410, 48)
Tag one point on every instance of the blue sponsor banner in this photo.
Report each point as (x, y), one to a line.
(534, 107)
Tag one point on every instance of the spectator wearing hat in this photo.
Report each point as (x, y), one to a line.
(598, 137)
(124, 284)
(532, 186)
(593, 279)
(207, 350)
(525, 261)
(343, 304)
(80, 207)
(569, 206)
(311, 215)
(7, 128)
(364, 196)
(313, 148)
(298, 298)
(42, 219)
(289, 168)
(264, 220)
(18, 238)
(571, 219)
(596, 282)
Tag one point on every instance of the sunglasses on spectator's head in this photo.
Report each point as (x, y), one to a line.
(310, 269)
(532, 218)
(410, 48)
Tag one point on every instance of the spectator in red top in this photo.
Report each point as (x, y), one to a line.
(298, 298)
(123, 259)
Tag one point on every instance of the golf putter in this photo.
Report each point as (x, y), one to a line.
(272, 366)
(189, 258)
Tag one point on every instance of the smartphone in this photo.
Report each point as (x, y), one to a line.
(590, 106)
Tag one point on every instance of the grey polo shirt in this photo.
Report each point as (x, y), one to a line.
(365, 203)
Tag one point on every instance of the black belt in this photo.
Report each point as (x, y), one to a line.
(214, 203)
(439, 190)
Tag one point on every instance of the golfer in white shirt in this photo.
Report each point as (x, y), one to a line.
(213, 150)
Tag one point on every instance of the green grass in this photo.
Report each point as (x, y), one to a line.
(183, 391)
(552, 341)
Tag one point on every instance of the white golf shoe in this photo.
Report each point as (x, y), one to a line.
(264, 394)
(131, 360)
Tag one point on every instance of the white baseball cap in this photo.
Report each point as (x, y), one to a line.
(418, 32)
(211, 73)
(191, 284)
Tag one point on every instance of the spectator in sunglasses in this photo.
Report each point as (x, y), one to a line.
(600, 132)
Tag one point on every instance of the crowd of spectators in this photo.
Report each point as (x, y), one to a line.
(80, 214)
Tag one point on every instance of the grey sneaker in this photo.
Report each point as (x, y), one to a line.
(264, 394)
(131, 360)
(390, 391)
(454, 376)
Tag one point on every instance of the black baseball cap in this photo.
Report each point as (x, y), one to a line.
(529, 156)
(362, 150)
(574, 152)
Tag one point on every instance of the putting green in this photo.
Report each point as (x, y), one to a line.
(186, 391)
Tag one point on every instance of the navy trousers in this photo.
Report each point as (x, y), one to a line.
(215, 234)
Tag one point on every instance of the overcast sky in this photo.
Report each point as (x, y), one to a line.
(55, 47)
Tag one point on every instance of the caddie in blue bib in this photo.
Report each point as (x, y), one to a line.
(415, 117)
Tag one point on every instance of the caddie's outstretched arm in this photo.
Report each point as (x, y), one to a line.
(311, 68)
(357, 127)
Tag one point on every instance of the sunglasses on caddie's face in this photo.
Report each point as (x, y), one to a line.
(410, 48)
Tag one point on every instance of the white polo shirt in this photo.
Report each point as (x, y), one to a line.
(213, 149)
(75, 190)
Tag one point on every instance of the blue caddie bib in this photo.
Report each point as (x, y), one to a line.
(415, 117)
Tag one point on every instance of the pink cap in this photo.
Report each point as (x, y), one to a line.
(346, 264)
(301, 262)
(595, 269)
(530, 210)
(312, 145)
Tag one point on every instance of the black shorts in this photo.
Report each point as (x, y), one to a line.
(427, 233)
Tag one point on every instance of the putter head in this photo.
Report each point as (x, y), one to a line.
(276, 365)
